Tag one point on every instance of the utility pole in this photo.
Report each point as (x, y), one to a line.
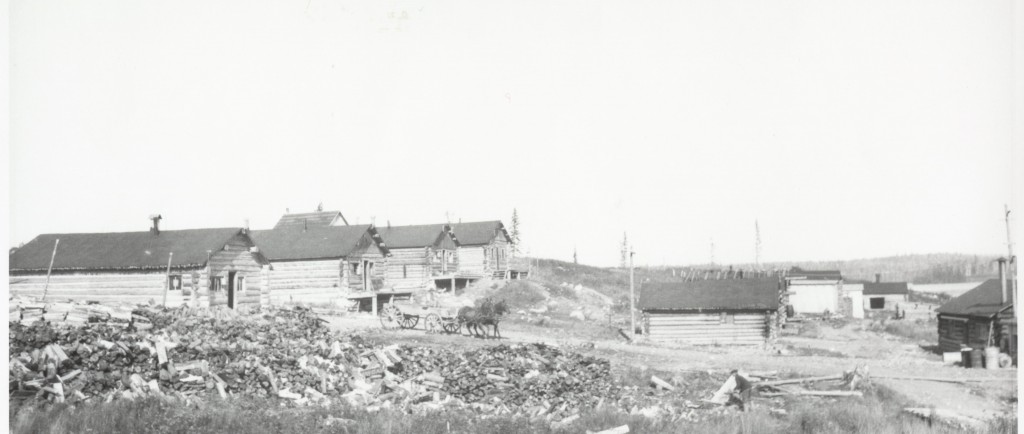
(757, 245)
(1010, 262)
(632, 295)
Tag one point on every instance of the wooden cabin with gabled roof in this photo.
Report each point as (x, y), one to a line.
(980, 318)
(706, 312)
(422, 256)
(484, 249)
(323, 263)
(197, 267)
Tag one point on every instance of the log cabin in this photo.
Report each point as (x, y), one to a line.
(197, 267)
(979, 318)
(422, 256)
(706, 312)
(484, 250)
(318, 218)
(322, 264)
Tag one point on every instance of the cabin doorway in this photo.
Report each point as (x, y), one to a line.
(367, 282)
(231, 289)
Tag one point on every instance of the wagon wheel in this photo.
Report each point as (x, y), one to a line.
(409, 321)
(433, 324)
(390, 316)
(452, 326)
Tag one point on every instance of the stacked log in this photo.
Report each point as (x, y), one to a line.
(290, 354)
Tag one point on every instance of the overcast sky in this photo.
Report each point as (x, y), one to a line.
(847, 129)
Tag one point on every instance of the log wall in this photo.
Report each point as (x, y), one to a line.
(317, 281)
(409, 268)
(706, 328)
(239, 260)
(107, 287)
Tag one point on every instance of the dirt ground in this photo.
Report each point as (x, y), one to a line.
(829, 350)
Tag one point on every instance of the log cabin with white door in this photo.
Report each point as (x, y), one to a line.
(484, 249)
(422, 256)
(195, 267)
(711, 312)
(322, 264)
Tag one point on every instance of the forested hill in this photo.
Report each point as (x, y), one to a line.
(925, 268)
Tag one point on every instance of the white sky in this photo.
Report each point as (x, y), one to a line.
(848, 129)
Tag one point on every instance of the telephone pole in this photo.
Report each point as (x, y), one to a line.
(757, 245)
(1010, 262)
(632, 295)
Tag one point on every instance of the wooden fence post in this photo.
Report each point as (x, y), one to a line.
(46, 286)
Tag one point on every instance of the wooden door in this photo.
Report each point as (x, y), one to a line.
(231, 290)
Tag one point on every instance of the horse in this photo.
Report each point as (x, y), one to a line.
(471, 317)
(493, 316)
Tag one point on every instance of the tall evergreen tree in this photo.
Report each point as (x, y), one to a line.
(624, 251)
(514, 232)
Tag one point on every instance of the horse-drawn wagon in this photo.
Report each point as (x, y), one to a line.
(435, 319)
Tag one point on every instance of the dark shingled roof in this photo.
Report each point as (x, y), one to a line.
(984, 300)
(479, 233)
(886, 288)
(327, 242)
(122, 250)
(761, 293)
(414, 236)
(310, 219)
(815, 274)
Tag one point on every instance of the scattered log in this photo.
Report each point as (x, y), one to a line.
(661, 383)
(816, 393)
(839, 377)
(624, 429)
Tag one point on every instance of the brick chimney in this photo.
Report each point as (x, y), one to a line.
(155, 230)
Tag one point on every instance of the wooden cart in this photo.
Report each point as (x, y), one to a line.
(435, 319)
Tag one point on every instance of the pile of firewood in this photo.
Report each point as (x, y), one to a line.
(291, 354)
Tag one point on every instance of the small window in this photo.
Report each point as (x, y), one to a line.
(174, 282)
(877, 302)
(405, 272)
(357, 269)
(215, 284)
(241, 284)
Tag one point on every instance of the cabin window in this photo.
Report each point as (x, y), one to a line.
(405, 272)
(357, 269)
(174, 282)
(877, 302)
(215, 284)
(241, 284)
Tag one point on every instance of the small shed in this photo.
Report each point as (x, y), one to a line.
(323, 263)
(885, 295)
(814, 291)
(978, 318)
(422, 256)
(484, 249)
(209, 267)
(730, 311)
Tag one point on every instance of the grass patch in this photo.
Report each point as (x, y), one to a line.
(916, 330)
(519, 294)
(877, 412)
